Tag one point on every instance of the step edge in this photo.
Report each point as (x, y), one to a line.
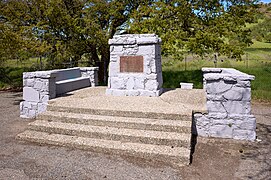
(46, 124)
(110, 112)
(39, 135)
(119, 119)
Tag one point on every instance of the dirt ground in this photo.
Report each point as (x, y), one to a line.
(213, 158)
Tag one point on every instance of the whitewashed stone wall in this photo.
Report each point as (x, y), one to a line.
(40, 86)
(147, 83)
(92, 73)
(228, 93)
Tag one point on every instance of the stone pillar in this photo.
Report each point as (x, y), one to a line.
(38, 88)
(228, 94)
(135, 65)
(92, 73)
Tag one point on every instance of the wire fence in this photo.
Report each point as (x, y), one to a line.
(189, 61)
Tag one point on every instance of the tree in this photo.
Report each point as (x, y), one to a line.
(12, 43)
(268, 37)
(110, 17)
(198, 26)
(64, 30)
(262, 30)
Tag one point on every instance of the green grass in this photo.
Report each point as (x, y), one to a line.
(11, 77)
(261, 86)
(172, 79)
(174, 73)
(250, 25)
(11, 72)
(259, 51)
(257, 62)
(22, 64)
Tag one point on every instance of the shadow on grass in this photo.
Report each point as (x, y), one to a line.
(12, 76)
(172, 79)
(258, 49)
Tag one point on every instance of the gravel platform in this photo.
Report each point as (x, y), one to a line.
(172, 101)
(212, 159)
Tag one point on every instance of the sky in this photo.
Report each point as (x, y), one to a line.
(266, 1)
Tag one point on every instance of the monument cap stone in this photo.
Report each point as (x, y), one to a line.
(135, 65)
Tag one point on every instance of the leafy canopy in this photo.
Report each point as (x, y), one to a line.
(198, 26)
(66, 30)
(63, 29)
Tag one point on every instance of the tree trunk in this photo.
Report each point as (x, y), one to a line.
(74, 61)
(105, 59)
(97, 62)
(215, 60)
(41, 65)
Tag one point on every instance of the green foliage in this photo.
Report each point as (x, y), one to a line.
(17, 38)
(11, 77)
(268, 37)
(201, 27)
(62, 30)
(262, 31)
(261, 86)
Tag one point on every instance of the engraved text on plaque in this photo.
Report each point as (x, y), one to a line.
(131, 64)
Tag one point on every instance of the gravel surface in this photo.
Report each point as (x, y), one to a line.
(177, 101)
(213, 158)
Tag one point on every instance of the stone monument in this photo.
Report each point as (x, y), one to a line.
(228, 94)
(135, 65)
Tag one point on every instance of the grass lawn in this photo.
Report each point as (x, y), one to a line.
(11, 72)
(10, 77)
(257, 62)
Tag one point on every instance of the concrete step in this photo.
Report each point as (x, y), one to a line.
(119, 122)
(109, 112)
(176, 156)
(172, 139)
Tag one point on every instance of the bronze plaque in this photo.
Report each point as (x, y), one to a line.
(131, 64)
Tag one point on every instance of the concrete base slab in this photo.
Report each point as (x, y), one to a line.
(156, 128)
(176, 156)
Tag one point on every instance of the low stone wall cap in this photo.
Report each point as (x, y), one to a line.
(88, 68)
(227, 77)
(130, 39)
(209, 70)
(39, 74)
(67, 69)
(226, 74)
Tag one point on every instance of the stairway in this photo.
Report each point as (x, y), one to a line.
(153, 136)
